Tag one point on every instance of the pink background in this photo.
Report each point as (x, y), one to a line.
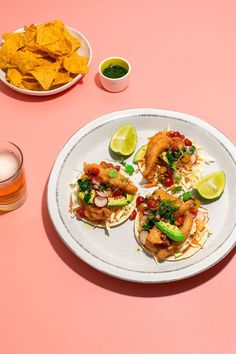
(183, 56)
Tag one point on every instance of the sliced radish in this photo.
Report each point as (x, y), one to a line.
(143, 236)
(194, 158)
(103, 194)
(100, 202)
(96, 186)
(200, 216)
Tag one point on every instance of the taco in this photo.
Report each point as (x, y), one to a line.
(170, 228)
(170, 159)
(102, 195)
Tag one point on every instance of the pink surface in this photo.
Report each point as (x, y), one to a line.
(183, 57)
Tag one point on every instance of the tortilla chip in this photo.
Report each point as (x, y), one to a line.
(61, 78)
(48, 34)
(14, 76)
(30, 33)
(32, 85)
(13, 42)
(24, 60)
(61, 47)
(73, 42)
(76, 64)
(45, 74)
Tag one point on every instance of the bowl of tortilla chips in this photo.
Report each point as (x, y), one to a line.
(43, 59)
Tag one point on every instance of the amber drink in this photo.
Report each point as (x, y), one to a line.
(12, 177)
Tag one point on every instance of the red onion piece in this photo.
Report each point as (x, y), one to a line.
(100, 202)
(103, 194)
(142, 236)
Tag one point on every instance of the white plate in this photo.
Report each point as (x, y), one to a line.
(118, 253)
(85, 50)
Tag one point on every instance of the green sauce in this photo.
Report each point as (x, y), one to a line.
(114, 71)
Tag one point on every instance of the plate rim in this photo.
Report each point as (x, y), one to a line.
(58, 89)
(100, 265)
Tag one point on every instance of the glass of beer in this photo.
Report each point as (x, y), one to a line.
(12, 177)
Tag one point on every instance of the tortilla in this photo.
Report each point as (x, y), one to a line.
(124, 217)
(189, 253)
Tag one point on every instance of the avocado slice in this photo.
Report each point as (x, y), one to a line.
(123, 201)
(171, 231)
(139, 156)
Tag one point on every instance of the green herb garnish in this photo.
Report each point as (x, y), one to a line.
(84, 184)
(177, 179)
(186, 196)
(167, 210)
(148, 225)
(177, 189)
(87, 196)
(192, 149)
(104, 186)
(129, 169)
(113, 173)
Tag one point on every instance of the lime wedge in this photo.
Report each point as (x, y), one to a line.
(212, 185)
(124, 140)
(140, 154)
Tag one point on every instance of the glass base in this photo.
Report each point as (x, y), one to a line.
(17, 204)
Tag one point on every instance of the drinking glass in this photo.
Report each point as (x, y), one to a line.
(12, 177)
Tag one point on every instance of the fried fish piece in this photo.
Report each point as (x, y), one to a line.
(187, 225)
(120, 181)
(157, 144)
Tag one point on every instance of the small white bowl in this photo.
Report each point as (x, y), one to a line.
(116, 84)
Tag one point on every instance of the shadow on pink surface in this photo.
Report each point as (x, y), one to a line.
(28, 98)
(121, 286)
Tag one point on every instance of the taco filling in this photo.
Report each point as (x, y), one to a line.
(170, 159)
(102, 195)
(169, 227)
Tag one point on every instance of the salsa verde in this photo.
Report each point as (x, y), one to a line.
(114, 71)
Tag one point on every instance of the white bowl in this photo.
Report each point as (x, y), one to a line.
(117, 84)
(85, 50)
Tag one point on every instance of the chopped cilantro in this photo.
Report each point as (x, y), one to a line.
(186, 196)
(113, 173)
(177, 189)
(84, 184)
(148, 225)
(177, 179)
(87, 196)
(129, 169)
(167, 210)
(104, 186)
(192, 149)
